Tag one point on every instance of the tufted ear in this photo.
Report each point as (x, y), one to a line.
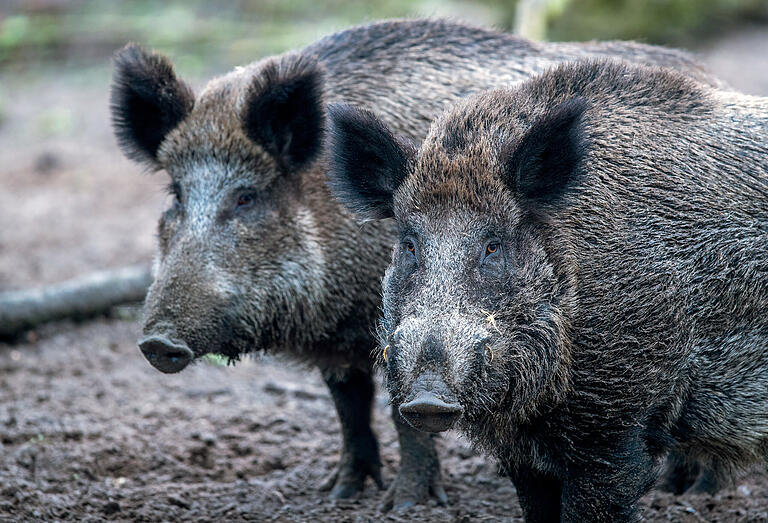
(548, 157)
(367, 163)
(284, 111)
(147, 102)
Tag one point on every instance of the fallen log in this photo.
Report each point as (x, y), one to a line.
(77, 299)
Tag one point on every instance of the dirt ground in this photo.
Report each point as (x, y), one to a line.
(90, 432)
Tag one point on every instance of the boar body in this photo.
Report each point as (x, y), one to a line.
(581, 278)
(254, 254)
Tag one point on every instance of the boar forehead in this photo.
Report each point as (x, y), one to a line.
(467, 223)
(209, 179)
(213, 134)
(469, 182)
(218, 165)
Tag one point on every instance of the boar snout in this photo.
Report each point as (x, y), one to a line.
(165, 355)
(433, 407)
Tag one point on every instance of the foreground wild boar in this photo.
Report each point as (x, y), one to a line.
(581, 278)
(254, 253)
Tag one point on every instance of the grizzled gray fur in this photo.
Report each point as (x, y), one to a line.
(581, 279)
(254, 254)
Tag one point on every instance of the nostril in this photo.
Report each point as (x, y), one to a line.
(153, 347)
(165, 355)
(175, 356)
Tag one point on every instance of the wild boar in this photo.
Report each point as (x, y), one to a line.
(254, 254)
(580, 278)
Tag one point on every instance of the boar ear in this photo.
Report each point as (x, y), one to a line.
(284, 111)
(548, 157)
(147, 102)
(367, 163)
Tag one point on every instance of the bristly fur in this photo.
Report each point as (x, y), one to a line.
(374, 162)
(290, 271)
(284, 111)
(147, 102)
(624, 321)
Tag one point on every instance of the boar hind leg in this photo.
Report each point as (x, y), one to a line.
(686, 475)
(352, 392)
(680, 473)
(419, 473)
(712, 479)
(538, 494)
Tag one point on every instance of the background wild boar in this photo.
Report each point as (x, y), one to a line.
(254, 254)
(581, 277)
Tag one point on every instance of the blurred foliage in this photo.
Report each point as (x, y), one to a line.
(654, 21)
(56, 121)
(3, 103)
(217, 360)
(201, 34)
(195, 32)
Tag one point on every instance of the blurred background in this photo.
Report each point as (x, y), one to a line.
(70, 203)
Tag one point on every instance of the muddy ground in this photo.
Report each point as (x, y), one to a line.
(90, 432)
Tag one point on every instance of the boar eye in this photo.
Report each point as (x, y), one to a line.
(244, 200)
(492, 248)
(410, 247)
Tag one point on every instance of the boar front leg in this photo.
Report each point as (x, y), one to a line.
(538, 494)
(608, 488)
(419, 474)
(352, 392)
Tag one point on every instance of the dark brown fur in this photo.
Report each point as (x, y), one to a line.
(619, 310)
(254, 253)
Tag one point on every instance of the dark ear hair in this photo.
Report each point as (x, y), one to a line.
(147, 102)
(284, 111)
(549, 155)
(367, 163)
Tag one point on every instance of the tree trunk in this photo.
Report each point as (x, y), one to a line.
(78, 298)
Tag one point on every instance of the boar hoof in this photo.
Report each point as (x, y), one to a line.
(415, 485)
(348, 479)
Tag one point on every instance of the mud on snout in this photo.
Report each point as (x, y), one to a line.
(433, 365)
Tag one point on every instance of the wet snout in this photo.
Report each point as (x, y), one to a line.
(187, 309)
(432, 407)
(165, 355)
(429, 413)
